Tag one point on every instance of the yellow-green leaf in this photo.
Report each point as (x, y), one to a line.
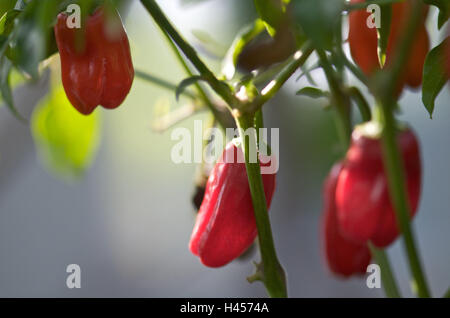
(66, 140)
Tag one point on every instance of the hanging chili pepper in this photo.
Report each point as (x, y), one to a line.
(363, 43)
(101, 72)
(364, 207)
(344, 257)
(225, 226)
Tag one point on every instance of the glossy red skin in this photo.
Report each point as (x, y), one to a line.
(100, 74)
(225, 226)
(363, 43)
(364, 208)
(344, 257)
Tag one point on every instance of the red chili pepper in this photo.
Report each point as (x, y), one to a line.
(102, 72)
(363, 43)
(225, 225)
(344, 257)
(364, 208)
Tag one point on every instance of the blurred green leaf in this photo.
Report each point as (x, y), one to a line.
(7, 22)
(33, 39)
(444, 10)
(6, 5)
(244, 36)
(318, 19)
(187, 82)
(434, 75)
(271, 13)
(5, 87)
(67, 141)
(384, 31)
(313, 92)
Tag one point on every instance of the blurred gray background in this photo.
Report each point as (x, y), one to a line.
(128, 222)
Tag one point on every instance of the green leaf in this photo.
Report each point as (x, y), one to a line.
(187, 82)
(319, 19)
(444, 10)
(244, 36)
(306, 71)
(7, 22)
(5, 87)
(313, 92)
(33, 36)
(434, 75)
(6, 5)
(67, 141)
(271, 13)
(384, 31)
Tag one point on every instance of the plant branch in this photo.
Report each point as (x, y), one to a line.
(172, 118)
(162, 83)
(222, 89)
(398, 194)
(386, 84)
(389, 283)
(361, 102)
(222, 116)
(340, 99)
(297, 60)
(272, 273)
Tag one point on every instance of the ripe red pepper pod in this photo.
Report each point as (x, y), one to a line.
(102, 72)
(225, 226)
(363, 43)
(364, 208)
(344, 257)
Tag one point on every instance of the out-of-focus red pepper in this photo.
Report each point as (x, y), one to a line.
(344, 257)
(100, 73)
(364, 208)
(225, 226)
(363, 43)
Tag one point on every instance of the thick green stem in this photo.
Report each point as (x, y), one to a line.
(389, 283)
(223, 117)
(385, 90)
(219, 87)
(397, 189)
(272, 273)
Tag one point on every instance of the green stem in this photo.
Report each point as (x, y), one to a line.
(357, 72)
(385, 90)
(223, 117)
(298, 59)
(389, 283)
(272, 274)
(341, 100)
(361, 102)
(162, 83)
(222, 89)
(397, 189)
